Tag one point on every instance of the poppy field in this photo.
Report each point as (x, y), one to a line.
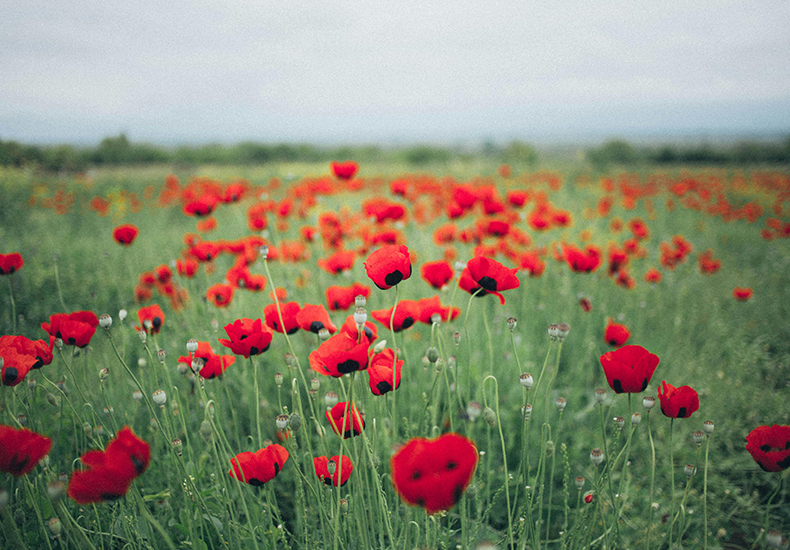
(348, 356)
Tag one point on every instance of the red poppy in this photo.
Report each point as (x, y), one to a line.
(616, 334)
(428, 307)
(220, 294)
(202, 206)
(213, 364)
(343, 469)
(629, 369)
(434, 473)
(742, 293)
(39, 350)
(344, 170)
(380, 372)
(342, 260)
(9, 263)
(388, 266)
(483, 276)
(342, 297)
(653, 275)
(339, 355)
(125, 234)
(579, 261)
(345, 420)
(289, 311)
(585, 304)
(407, 313)
(769, 447)
(151, 318)
(313, 318)
(259, 467)
(163, 273)
(187, 268)
(437, 274)
(679, 402)
(21, 450)
(349, 327)
(247, 337)
(15, 366)
(110, 472)
(75, 329)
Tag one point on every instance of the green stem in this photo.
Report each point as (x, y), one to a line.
(504, 458)
(652, 479)
(13, 305)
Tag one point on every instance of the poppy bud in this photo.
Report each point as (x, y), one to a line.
(489, 416)
(636, 418)
(425, 362)
(205, 430)
(600, 395)
(143, 335)
(432, 354)
(511, 323)
(649, 402)
(295, 422)
(22, 419)
(137, 395)
(104, 373)
(211, 410)
(331, 467)
(579, 482)
(160, 397)
(331, 398)
(690, 470)
(589, 497)
(473, 410)
(122, 315)
(344, 505)
(87, 430)
(278, 379)
(105, 321)
(323, 334)
(619, 421)
(526, 410)
(561, 403)
(360, 316)
(564, 329)
(56, 490)
(526, 380)
(707, 427)
(264, 250)
(161, 355)
(457, 338)
(549, 448)
(379, 347)
(281, 421)
(360, 300)
(55, 527)
(554, 331)
(192, 345)
(52, 399)
(596, 455)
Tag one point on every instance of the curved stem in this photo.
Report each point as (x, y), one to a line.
(504, 457)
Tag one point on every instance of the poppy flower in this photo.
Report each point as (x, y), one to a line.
(616, 334)
(313, 318)
(437, 274)
(434, 473)
(125, 234)
(582, 261)
(653, 275)
(483, 276)
(75, 329)
(677, 402)
(187, 268)
(9, 263)
(342, 297)
(769, 447)
(38, 350)
(742, 293)
(629, 369)
(213, 364)
(344, 170)
(155, 317)
(349, 327)
(345, 420)
(343, 469)
(339, 355)
(15, 366)
(220, 294)
(110, 472)
(289, 311)
(21, 450)
(407, 312)
(247, 337)
(259, 467)
(380, 372)
(428, 307)
(388, 266)
(342, 260)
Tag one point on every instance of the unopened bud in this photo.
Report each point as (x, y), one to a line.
(105, 321)
(3, 498)
(295, 422)
(52, 400)
(432, 354)
(549, 448)
(143, 335)
(87, 429)
(205, 430)
(489, 416)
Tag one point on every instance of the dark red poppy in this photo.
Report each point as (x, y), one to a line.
(163, 273)
(407, 313)
(289, 311)
(434, 473)
(110, 472)
(151, 318)
(345, 420)
(344, 170)
(202, 206)
(388, 266)
(205, 251)
(9, 263)
(653, 275)
(380, 372)
(15, 367)
(769, 447)
(585, 304)
(247, 337)
(629, 369)
(259, 467)
(75, 329)
(349, 327)
(125, 234)
(339, 355)
(342, 297)
(313, 318)
(742, 293)
(679, 402)
(239, 276)
(483, 276)
(616, 334)
(582, 261)
(342, 260)
(428, 307)
(437, 274)
(220, 294)
(343, 469)
(213, 364)
(21, 450)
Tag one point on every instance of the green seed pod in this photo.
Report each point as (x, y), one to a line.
(295, 422)
(489, 416)
(205, 430)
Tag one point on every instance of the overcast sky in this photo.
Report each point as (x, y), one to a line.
(361, 72)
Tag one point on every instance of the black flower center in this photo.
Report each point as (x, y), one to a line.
(349, 365)
(392, 279)
(487, 283)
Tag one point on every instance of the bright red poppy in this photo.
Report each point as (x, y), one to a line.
(344, 170)
(220, 294)
(742, 293)
(629, 369)
(339, 355)
(582, 261)
(342, 297)
(125, 234)
(388, 266)
(213, 364)
(407, 312)
(343, 469)
(313, 318)
(434, 473)
(247, 337)
(428, 307)
(679, 402)
(653, 275)
(770, 447)
(110, 472)
(345, 420)
(380, 372)
(437, 274)
(288, 310)
(38, 350)
(259, 467)
(187, 268)
(10, 263)
(75, 329)
(616, 334)
(151, 318)
(21, 450)
(483, 276)
(342, 260)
